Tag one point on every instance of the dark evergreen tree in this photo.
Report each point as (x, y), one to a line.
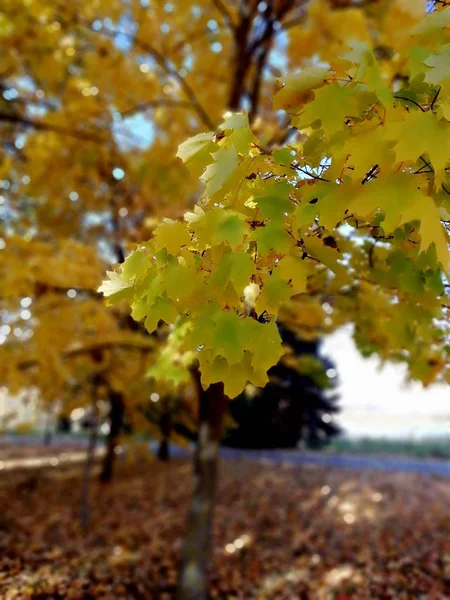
(295, 408)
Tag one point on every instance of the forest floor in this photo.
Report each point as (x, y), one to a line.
(281, 532)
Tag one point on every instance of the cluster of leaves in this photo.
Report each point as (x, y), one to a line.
(360, 195)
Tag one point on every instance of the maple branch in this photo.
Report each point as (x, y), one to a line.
(163, 63)
(255, 93)
(196, 35)
(224, 12)
(412, 102)
(155, 104)
(141, 346)
(98, 346)
(302, 170)
(45, 126)
(436, 96)
(42, 288)
(371, 174)
(242, 57)
(260, 48)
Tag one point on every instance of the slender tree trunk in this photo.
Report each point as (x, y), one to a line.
(90, 455)
(115, 425)
(242, 60)
(47, 437)
(193, 582)
(165, 426)
(163, 450)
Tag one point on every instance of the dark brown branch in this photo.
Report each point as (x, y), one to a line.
(224, 12)
(129, 112)
(142, 346)
(297, 168)
(45, 126)
(92, 349)
(242, 57)
(255, 92)
(436, 96)
(412, 102)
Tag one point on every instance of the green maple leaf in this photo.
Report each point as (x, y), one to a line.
(275, 207)
(440, 66)
(217, 173)
(115, 288)
(433, 26)
(331, 105)
(229, 338)
(135, 266)
(368, 70)
(424, 209)
(196, 148)
(416, 61)
(234, 267)
(296, 271)
(239, 132)
(171, 236)
(163, 309)
(230, 228)
(275, 291)
(264, 342)
(273, 237)
(296, 85)
(422, 133)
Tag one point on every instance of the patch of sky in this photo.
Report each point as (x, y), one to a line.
(126, 29)
(137, 131)
(188, 62)
(96, 218)
(19, 142)
(106, 251)
(118, 173)
(10, 94)
(278, 56)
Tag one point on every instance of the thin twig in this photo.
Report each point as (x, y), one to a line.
(412, 102)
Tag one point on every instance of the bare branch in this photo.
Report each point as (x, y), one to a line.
(224, 12)
(46, 126)
(412, 102)
(129, 112)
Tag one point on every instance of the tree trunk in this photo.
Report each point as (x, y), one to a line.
(115, 425)
(90, 454)
(165, 427)
(47, 437)
(242, 60)
(193, 583)
(163, 450)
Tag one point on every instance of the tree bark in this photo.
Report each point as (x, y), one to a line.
(165, 427)
(90, 453)
(242, 58)
(193, 582)
(48, 431)
(115, 425)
